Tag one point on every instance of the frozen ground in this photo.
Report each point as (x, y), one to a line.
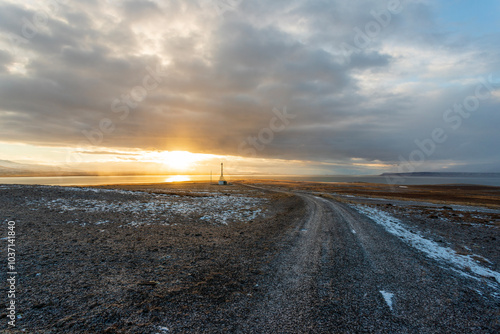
(141, 258)
(457, 207)
(468, 265)
(144, 208)
(160, 259)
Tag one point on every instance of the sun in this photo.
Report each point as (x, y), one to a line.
(179, 160)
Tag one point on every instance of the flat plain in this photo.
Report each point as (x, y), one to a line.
(256, 257)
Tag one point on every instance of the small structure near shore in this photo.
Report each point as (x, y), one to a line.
(222, 181)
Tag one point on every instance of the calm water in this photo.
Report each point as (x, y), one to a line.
(102, 180)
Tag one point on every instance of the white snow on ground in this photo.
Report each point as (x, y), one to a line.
(431, 248)
(214, 208)
(387, 297)
(163, 329)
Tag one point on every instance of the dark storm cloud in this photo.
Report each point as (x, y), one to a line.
(223, 75)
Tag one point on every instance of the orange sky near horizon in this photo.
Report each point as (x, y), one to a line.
(307, 87)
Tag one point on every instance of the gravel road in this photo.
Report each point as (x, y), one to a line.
(339, 271)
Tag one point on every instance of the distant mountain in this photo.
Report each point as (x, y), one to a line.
(443, 174)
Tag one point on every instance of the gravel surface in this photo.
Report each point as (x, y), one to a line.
(107, 261)
(301, 264)
(339, 271)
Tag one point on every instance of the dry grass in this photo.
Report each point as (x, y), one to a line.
(441, 194)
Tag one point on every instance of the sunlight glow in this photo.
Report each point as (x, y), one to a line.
(178, 178)
(179, 160)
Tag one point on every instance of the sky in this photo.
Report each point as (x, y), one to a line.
(269, 87)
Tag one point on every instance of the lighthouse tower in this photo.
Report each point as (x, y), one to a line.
(222, 181)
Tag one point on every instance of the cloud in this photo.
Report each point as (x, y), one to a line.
(108, 153)
(5, 59)
(224, 74)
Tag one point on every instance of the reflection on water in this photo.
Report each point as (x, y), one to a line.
(178, 178)
(101, 180)
(145, 179)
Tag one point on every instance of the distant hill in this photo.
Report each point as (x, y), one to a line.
(443, 174)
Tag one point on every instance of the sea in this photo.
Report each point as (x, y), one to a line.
(110, 180)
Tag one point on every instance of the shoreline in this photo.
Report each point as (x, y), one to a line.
(336, 179)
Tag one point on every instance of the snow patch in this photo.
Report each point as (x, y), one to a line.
(158, 208)
(163, 329)
(388, 298)
(466, 263)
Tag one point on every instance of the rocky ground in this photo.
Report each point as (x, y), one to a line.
(463, 217)
(193, 257)
(140, 259)
(469, 231)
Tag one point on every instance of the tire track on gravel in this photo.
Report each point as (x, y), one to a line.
(338, 271)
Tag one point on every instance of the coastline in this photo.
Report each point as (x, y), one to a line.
(392, 179)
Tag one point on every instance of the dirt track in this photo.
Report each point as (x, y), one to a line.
(338, 265)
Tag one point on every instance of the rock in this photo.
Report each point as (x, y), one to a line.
(151, 283)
